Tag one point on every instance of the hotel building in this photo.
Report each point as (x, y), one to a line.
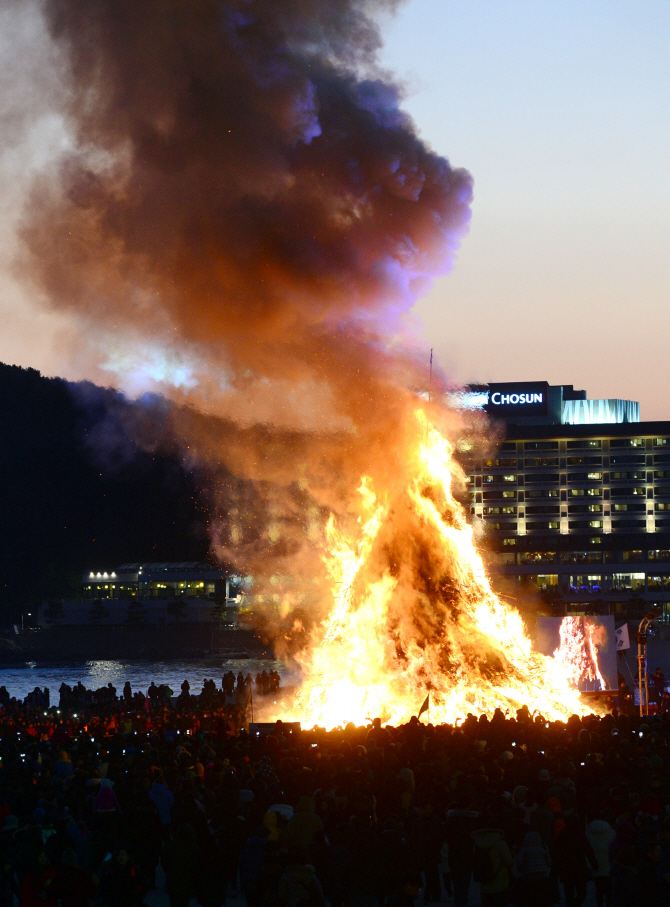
(576, 499)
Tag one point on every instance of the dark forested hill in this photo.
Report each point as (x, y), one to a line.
(76, 491)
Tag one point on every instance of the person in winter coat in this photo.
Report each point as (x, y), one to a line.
(106, 816)
(653, 887)
(459, 827)
(252, 857)
(179, 862)
(122, 885)
(534, 887)
(73, 886)
(625, 889)
(572, 851)
(299, 886)
(427, 839)
(492, 864)
(305, 823)
(600, 835)
(163, 799)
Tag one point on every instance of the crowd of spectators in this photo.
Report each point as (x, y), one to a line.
(101, 790)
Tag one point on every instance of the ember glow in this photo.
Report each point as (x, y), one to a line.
(245, 223)
(578, 652)
(414, 613)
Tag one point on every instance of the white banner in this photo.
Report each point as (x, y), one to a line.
(622, 638)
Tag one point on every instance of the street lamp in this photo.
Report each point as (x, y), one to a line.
(29, 614)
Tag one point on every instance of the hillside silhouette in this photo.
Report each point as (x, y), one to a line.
(79, 493)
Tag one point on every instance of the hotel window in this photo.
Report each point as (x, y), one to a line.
(541, 477)
(661, 442)
(537, 557)
(627, 581)
(659, 554)
(629, 492)
(506, 464)
(586, 524)
(534, 462)
(585, 461)
(544, 582)
(630, 476)
(581, 557)
(661, 507)
(662, 491)
(631, 508)
(586, 583)
(502, 558)
(658, 581)
(633, 557)
(540, 445)
(576, 445)
(535, 493)
(627, 442)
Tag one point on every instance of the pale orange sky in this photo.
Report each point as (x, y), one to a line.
(560, 113)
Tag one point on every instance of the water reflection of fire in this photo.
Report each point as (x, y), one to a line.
(413, 613)
(577, 652)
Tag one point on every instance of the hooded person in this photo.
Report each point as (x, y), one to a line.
(533, 865)
(492, 864)
(163, 799)
(572, 852)
(303, 826)
(252, 857)
(271, 825)
(299, 885)
(600, 835)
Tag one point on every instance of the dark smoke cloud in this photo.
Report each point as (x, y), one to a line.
(245, 186)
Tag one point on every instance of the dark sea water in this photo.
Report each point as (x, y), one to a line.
(21, 679)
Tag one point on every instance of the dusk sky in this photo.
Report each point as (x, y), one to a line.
(559, 111)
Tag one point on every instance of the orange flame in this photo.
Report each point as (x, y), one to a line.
(414, 613)
(577, 652)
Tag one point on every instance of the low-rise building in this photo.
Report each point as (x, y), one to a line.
(153, 593)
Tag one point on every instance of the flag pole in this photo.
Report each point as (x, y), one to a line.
(430, 378)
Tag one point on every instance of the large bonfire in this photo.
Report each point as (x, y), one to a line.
(414, 614)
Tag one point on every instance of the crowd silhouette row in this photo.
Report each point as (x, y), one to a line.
(105, 797)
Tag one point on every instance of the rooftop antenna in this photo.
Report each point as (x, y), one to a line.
(430, 379)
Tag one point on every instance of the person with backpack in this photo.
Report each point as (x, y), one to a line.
(459, 827)
(299, 885)
(491, 866)
(572, 852)
(534, 887)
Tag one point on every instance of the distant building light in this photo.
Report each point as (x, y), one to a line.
(91, 574)
(105, 574)
(99, 574)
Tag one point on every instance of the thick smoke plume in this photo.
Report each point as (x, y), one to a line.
(246, 210)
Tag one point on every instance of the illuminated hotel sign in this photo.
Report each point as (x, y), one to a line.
(518, 399)
(499, 399)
